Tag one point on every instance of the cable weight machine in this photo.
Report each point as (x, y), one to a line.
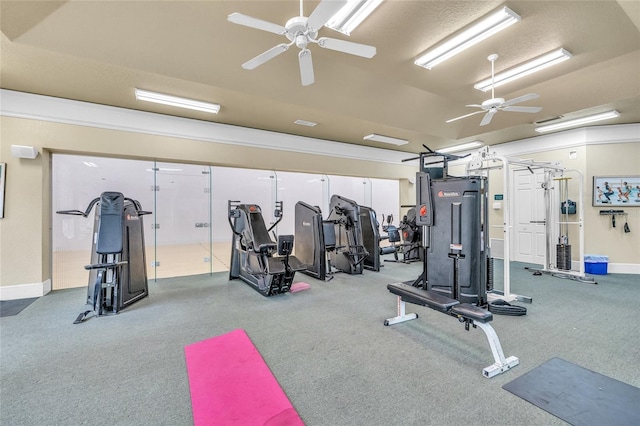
(557, 211)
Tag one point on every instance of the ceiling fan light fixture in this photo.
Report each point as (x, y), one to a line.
(385, 139)
(480, 30)
(351, 15)
(462, 147)
(161, 98)
(578, 121)
(524, 69)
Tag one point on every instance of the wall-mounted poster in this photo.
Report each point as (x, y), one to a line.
(616, 191)
(3, 173)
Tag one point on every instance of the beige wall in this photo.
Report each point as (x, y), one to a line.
(601, 238)
(25, 246)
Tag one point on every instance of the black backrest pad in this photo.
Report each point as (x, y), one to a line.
(110, 229)
(329, 231)
(259, 230)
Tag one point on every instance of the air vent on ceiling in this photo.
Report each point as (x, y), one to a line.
(305, 123)
(549, 119)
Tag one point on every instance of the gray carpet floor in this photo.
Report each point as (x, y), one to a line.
(326, 346)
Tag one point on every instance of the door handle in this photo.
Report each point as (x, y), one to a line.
(538, 221)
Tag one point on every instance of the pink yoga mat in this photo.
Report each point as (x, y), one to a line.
(232, 385)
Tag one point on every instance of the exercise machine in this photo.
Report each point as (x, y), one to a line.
(410, 240)
(393, 237)
(267, 266)
(370, 238)
(557, 254)
(314, 239)
(118, 272)
(349, 253)
(457, 269)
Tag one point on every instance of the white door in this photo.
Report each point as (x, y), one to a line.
(528, 217)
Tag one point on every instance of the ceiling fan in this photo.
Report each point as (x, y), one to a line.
(301, 31)
(493, 105)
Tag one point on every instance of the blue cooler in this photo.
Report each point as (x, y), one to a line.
(596, 264)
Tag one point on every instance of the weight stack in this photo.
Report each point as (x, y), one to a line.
(563, 257)
(489, 273)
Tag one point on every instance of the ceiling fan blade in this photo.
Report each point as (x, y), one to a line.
(259, 24)
(265, 56)
(464, 116)
(347, 47)
(306, 67)
(521, 99)
(522, 109)
(487, 117)
(474, 105)
(323, 12)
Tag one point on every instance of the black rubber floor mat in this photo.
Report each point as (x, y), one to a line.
(14, 307)
(577, 395)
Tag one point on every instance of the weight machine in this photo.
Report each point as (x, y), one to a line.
(256, 259)
(557, 249)
(457, 267)
(118, 272)
(350, 252)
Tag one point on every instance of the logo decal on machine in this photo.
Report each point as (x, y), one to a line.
(444, 194)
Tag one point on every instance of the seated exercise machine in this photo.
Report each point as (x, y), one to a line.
(393, 236)
(457, 268)
(409, 237)
(118, 272)
(412, 250)
(314, 239)
(349, 253)
(256, 259)
(370, 238)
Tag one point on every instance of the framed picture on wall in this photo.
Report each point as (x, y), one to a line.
(3, 173)
(616, 191)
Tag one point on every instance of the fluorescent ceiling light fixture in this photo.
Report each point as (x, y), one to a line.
(305, 123)
(90, 164)
(462, 147)
(578, 121)
(385, 139)
(525, 69)
(485, 27)
(352, 15)
(160, 98)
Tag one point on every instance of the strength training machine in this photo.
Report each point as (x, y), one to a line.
(409, 235)
(457, 268)
(314, 239)
(350, 252)
(118, 272)
(557, 210)
(267, 266)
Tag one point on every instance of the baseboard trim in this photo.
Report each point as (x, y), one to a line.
(25, 291)
(623, 268)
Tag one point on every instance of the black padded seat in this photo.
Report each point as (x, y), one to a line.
(417, 296)
(275, 265)
(467, 310)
